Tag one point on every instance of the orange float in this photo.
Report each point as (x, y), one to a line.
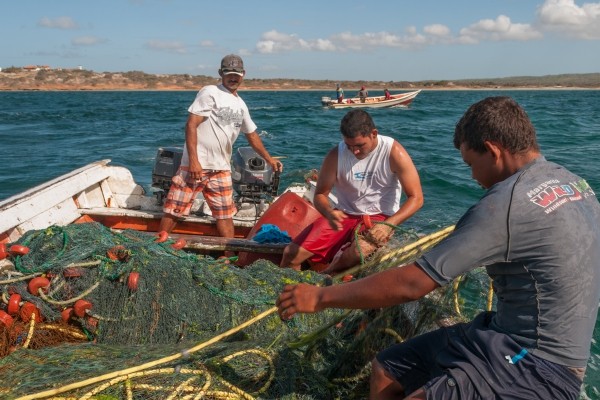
(29, 311)
(161, 237)
(179, 244)
(132, 280)
(66, 314)
(14, 304)
(3, 252)
(38, 283)
(6, 319)
(81, 307)
(18, 250)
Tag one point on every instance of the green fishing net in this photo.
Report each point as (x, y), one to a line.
(117, 315)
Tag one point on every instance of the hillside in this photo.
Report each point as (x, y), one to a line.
(17, 79)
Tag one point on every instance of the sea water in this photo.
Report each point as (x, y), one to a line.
(46, 134)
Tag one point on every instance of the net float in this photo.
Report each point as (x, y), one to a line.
(132, 280)
(38, 283)
(179, 244)
(3, 252)
(14, 304)
(66, 314)
(18, 250)
(161, 237)
(6, 319)
(29, 311)
(81, 307)
(118, 253)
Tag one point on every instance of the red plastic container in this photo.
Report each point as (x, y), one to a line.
(290, 213)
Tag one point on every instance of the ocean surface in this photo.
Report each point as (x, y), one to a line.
(46, 134)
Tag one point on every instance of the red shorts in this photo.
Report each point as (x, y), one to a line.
(216, 186)
(324, 242)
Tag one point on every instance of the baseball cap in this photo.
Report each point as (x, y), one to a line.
(232, 64)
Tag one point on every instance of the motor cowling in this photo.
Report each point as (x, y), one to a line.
(252, 176)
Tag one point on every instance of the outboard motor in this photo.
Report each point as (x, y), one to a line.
(252, 177)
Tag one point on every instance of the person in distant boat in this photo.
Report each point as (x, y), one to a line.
(216, 118)
(369, 172)
(387, 94)
(362, 94)
(537, 232)
(339, 93)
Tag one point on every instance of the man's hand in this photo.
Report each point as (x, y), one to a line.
(195, 170)
(380, 234)
(301, 298)
(335, 219)
(276, 164)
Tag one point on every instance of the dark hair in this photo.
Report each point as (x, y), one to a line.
(357, 123)
(496, 119)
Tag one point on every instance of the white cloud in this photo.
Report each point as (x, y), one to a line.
(58, 23)
(553, 15)
(437, 30)
(500, 29)
(564, 16)
(167, 46)
(87, 41)
(277, 42)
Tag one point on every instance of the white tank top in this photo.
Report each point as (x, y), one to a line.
(367, 186)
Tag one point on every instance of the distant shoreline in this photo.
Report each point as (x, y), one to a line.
(83, 80)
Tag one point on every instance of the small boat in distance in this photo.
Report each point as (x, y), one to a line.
(397, 100)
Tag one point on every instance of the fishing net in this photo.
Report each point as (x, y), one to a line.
(91, 313)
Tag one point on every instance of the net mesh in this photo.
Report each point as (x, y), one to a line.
(117, 315)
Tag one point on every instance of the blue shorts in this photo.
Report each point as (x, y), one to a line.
(471, 361)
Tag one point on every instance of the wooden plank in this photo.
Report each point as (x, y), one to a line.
(215, 243)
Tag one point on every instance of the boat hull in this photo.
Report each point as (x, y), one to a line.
(108, 195)
(397, 100)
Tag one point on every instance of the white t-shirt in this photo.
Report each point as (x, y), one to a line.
(367, 186)
(227, 115)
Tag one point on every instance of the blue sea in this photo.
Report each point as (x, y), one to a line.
(46, 134)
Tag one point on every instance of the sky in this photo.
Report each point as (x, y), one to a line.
(374, 40)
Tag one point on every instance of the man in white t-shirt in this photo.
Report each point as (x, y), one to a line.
(216, 117)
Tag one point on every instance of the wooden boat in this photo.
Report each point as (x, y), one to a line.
(107, 194)
(397, 100)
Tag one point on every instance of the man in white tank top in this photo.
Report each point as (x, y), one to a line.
(369, 172)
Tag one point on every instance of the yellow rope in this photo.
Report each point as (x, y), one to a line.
(30, 333)
(115, 374)
(72, 300)
(408, 251)
(490, 297)
(266, 357)
(455, 286)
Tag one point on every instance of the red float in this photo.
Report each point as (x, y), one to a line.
(3, 252)
(81, 307)
(38, 283)
(132, 281)
(66, 314)
(29, 311)
(179, 244)
(18, 250)
(161, 237)
(14, 304)
(6, 319)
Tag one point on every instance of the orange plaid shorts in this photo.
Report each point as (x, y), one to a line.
(216, 186)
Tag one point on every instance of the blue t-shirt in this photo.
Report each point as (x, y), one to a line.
(538, 235)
